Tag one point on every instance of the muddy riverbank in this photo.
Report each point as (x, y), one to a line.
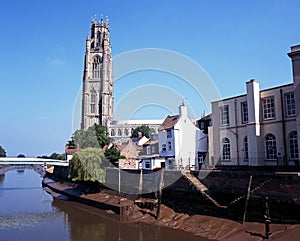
(209, 227)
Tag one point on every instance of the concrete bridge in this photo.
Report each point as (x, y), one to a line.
(32, 161)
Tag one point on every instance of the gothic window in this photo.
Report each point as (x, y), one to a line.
(224, 115)
(225, 149)
(98, 39)
(93, 108)
(244, 106)
(270, 145)
(119, 132)
(290, 105)
(293, 143)
(268, 108)
(96, 67)
(126, 132)
(93, 98)
(112, 132)
(246, 150)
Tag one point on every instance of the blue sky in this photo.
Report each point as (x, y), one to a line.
(42, 46)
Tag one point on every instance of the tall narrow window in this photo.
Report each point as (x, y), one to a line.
(126, 132)
(169, 133)
(290, 105)
(163, 148)
(148, 150)
(96, 67)
(226, 149)
(246, 150)
(224, 115)
(268, 108)
(293, 143)
(169, 146)
(93, 108)
(120, 133)
(244, 106)
(270, 145)
(112, 132)
(93, 103)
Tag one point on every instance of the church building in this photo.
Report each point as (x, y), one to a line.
(98, 87)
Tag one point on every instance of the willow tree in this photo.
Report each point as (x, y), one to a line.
(88, 165)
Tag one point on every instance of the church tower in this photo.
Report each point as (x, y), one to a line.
(97, 89)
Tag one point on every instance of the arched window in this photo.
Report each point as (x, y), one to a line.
(98, 39)
(96, 67)
(126, 132)
(293, 143)
(246, 150)
(270, 144)
(112, 132)
(119, 132)
(226, 149)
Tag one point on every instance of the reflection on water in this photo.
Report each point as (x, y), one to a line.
(29, 213)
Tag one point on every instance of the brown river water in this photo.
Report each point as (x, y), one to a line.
(28, 213)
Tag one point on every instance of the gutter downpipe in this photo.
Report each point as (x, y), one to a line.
(283, 130)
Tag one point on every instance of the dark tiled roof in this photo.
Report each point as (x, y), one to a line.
(207, 117)
(169, 122)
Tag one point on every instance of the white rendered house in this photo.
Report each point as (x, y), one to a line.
(178, 137)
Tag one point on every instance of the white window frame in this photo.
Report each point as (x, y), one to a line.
(245, 116)
(290, 104)
(224, 115)
(148, 150)
(293, 146)
(268, 105)
(270, 147)
(226, 149)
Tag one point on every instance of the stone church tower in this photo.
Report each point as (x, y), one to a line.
(97, 90)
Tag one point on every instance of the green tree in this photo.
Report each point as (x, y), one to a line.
(145, 130)
(88, 165)
(113, 155)
(102, 136)
(2, 152)
(95, 137)
(71, 143)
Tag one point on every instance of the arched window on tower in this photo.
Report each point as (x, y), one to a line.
(225, 149)
(98, 39)
(293, 144)
(96, 67)
(270, 145)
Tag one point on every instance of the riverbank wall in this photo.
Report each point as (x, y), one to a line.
(227, 187)
(211, 228)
